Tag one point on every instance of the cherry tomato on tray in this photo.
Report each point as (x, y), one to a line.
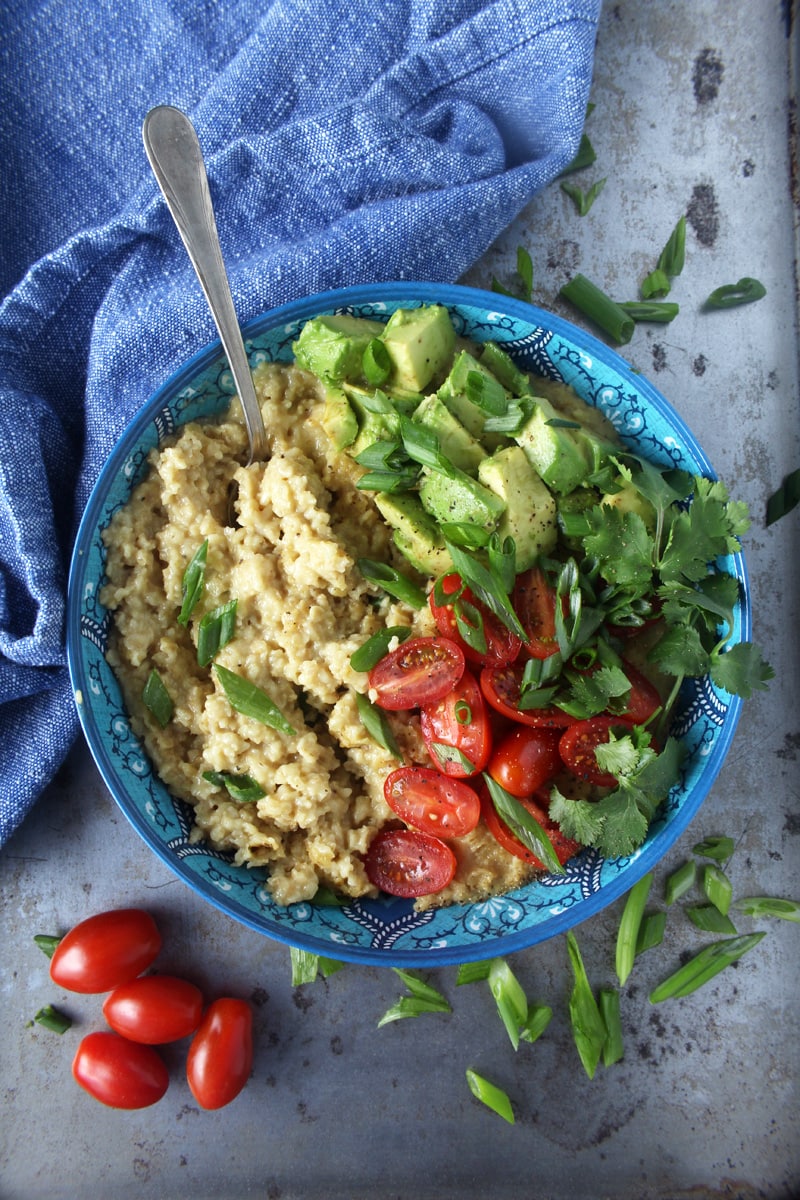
(459, 721)
(105, 950)
(405, 862)
(502, 646)
(220, 1057)
(430, 802)
(118, 1072)
(577, 747)
(420, 671)
(525, 759)
(154, 1009)
(564, 847)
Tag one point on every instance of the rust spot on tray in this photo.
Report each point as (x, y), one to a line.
(707, 76)
(703, 214)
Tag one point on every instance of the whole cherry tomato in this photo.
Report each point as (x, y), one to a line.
(420, 671)
(105, 950)
(405, 862)
(577, 747)
(119, 1073)
(525, 759)
(502, 646)
(429, 801)
(154, 1009)
(220, 1056)
(458, 722)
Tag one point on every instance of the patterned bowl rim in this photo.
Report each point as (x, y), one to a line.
(389, 914)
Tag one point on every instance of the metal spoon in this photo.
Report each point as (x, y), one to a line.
(174, 154)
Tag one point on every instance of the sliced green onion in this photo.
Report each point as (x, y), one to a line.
(583, 201)
(377, 647)
(651, 310)
(215, 631)
(392, 581)
(242, 788)
(473, 972)
(486, 393)
(388, 481)
(656, 285)
(52, 1019)
(536, 1021)
(718, 848)
(705, 966)
(525, 274)
(524, 826)
(380, 455)
(502, 555)
(679, 882)
(584, 157)
(420, 989)
(251, 701)
(157, 699)
(422, 998)
(588, 1026)
(785, 498)
(628, 931)
(511, 421)
(672, 258)
(708, 918)
(769, 906)
(613, 1048)
(490, 1095)
(717, 887)
(599, 308)
(193, 583)
(730, 295)
(462, 712)
(377, 725)
(486, 588)
(445, 753)
(305, 966)
(325, 897)
(376, 363)
(462, 533)
(651, 931)
(422, 445)
(47, 943)
(511, 1001)
(470, 625)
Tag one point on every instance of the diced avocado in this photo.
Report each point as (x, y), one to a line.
(378, 420)
(332, 347)
(630, 499)
(530, 515)
(453, 393)
(552, 449)
(458, 497)
(416, 534)
(503, 367)
(338, 419)
(420, 342)
(455, 442)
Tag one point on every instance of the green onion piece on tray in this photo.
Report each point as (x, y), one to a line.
(473, 972)
(613, 1048)
(376, 725)
(708, 918)
(216, 629)
(656, 285)
(193, 583)
(511, 1001)
(490, 1095)
(673, 256)
(376, 363)
(785, 498)
(47, 943)
(584, 157)
(536, 1021)
(717, 887)
(588, 1026)
(718, 848)
(705, 966)
(731, 295)
(376, 647)
(392, 581)
(422, 998)
(583, 200)
(52, 1019)
(599, 308)
(769, 906)
(251, 701)
(628, 932)
(157, 699)
(679, 882)
(651, 931)
(661, 311)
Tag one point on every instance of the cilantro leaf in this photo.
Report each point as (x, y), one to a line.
(590, 694)
(741, 670)
(621, 543)
(680, 652)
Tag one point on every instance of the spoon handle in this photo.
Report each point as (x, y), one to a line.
(174, 154)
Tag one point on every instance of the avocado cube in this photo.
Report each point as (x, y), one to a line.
(416, 534)
(530, 515)
(456, 443)
(504, 369)
(333, 346)
(338, 419)
(552, 449)
(458, 497)
(420, 343)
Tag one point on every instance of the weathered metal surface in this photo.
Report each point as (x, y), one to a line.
(694, 114)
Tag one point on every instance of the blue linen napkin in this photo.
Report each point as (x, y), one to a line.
(345, 142)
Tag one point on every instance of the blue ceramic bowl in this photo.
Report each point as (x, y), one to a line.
(388, 931)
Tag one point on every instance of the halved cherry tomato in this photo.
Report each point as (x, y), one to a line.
(426, 800)
(501, 686)
(420, 671)
(502, 646)
(459, 720)
(118, 1072)
(154, 1009)
(220, 1057)
(564, 847)
(534, 601)
(644, 699)
(404, 862)
(525, 759)
(577, 747)
(105, 950)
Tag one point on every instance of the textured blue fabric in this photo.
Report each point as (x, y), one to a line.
(345, 142)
